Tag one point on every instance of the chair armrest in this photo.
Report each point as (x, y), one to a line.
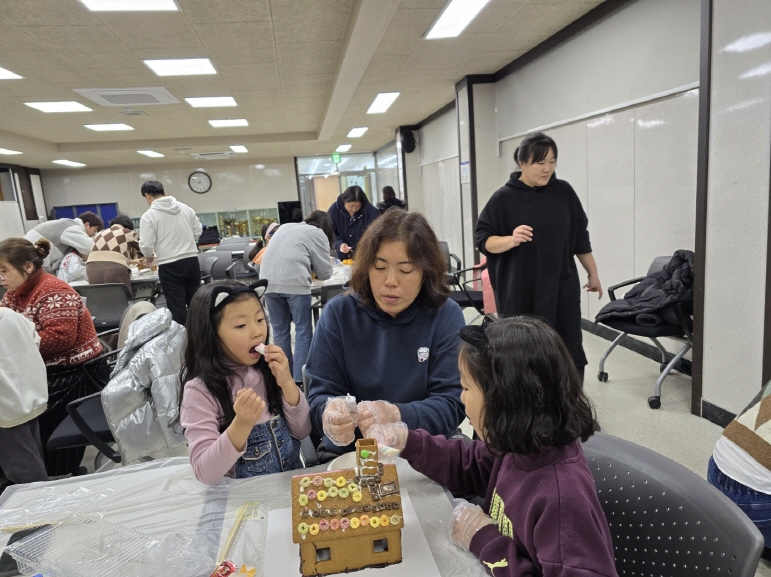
(612, 290)
(229, 272)
(457, 262)
(682, 318)
(97, 384)
(88, 432)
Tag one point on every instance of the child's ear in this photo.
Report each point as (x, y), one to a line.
(259, 287)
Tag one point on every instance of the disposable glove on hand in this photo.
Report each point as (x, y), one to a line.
(391, 437)
(467, 519)
(338, 422)
(377, 413)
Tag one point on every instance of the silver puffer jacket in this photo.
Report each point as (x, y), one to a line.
(142, 396)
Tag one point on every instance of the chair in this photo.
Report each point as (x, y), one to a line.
(664, 519)
(2, 291)
(222, 261)
(206, 261)
(464, 295)
(106, 303)
(326, 292)
(243, 268)
(680, 332)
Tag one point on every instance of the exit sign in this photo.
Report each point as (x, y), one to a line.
(335, 157)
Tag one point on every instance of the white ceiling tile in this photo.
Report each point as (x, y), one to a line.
(164, 30)
(91, 46)
(309, 20)
(495, 15)
(47, 13)
(307, 58)
(442, 53)
(308, 85)
(206, 11)
(238, 42)
(405, 30)
(485, 62)
(382, 67)
(250, 76)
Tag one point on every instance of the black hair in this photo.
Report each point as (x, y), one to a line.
(322, 220)
(534, 148)
(355, 194)
(258, 246)
(153, 188)
(94, 220)
(16, 252)
(205, 359)
(533, 392)
(388, 193)
(124, 221)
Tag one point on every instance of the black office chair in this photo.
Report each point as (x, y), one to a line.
(224, 259)
(466, 293)
(680, 332)
(206, 261)
(326, 292)
(106, 303)
(243, 268)
(665, 520)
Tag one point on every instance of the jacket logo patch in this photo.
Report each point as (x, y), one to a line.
(423, 354)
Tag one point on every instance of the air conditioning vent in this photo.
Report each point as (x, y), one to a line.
(128, 96)
(212, 155)
(130, 112)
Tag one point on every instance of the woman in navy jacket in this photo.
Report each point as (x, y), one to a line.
(351, 214)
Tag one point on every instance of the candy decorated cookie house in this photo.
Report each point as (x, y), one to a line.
(348, 519)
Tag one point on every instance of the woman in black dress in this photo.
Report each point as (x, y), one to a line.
(530, 230)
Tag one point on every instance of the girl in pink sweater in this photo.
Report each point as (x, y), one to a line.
(242, 413)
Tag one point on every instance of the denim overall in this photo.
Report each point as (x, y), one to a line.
(269, 449)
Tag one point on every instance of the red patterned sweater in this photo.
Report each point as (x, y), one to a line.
(67, 333)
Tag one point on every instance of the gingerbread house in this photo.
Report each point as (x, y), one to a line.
(348, 519)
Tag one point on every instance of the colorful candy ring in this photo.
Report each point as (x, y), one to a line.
(323, 524)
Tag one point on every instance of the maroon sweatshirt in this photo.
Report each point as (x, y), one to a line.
(549, 519)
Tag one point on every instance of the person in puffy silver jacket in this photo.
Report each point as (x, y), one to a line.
(142, 397)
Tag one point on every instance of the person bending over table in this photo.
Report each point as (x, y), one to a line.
(391, 341)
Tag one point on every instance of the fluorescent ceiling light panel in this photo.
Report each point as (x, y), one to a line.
(358, 132)
(69, 163)
(8, 75)
(343, 148)
(229, 122)
(130, 5)
(151, 153)
(456, 16)
(8, 152)
(108, 127)
(211, 101)
(382, 102)
(239, 148)
(181, 66)
(68, 106)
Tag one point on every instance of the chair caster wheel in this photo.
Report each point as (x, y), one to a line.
(602, 377)
(654, 402)
(662, 366)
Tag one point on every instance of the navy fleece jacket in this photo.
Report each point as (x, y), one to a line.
(349, 229)
(361, 350)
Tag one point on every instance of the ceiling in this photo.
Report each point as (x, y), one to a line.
(303, 72)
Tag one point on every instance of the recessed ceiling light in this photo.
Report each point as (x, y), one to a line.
(68, 106)
(382, 102)
(259, 166)
(69, 163)
(8, 75)
(151, 153)
(8, 152)
(456, 16)
(239, 148)
(358, 132)
(211, 101)
(108, 127)
(229, 122)
(343, 148)
(130, 5)
(181, 66)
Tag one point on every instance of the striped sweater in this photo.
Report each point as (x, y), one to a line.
(67, 333)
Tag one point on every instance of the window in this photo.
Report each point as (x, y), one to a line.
(380, 546)
(323, 554)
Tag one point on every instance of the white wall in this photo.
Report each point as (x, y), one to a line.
(233, 187)
(11, 224)
(438, 140)
(414, 180)
(649, 47)
(737, 204)
(387, 170)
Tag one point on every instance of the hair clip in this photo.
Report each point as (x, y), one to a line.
(222, 294)
(476, 335)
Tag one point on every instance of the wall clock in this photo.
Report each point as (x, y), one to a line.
(199, 182)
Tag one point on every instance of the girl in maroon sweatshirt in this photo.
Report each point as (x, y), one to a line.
(524, 398)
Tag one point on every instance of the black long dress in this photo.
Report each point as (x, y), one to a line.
(538, 277)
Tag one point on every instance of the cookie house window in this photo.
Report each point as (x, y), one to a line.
(380, 546)
(323, 554)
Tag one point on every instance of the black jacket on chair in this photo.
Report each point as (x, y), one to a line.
(648, 302)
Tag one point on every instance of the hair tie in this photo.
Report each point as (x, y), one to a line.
(476, 335)
(223, 294)
(271, 226)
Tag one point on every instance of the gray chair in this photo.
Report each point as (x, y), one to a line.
(106, 303)
(326, 292)
(680, 332)
(2, 291)
(221, 262)
(206, 268)
(666, 521)
(462, 290)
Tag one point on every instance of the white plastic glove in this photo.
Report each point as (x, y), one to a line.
(377, 413)
(467, 519)
(391, 438)
(339, 421)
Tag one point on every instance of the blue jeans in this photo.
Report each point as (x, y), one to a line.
(754, 504)
(283, 309)
(269, 449)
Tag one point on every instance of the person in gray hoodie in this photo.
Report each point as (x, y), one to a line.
(66, 235)
(296, 250)
(170, 230)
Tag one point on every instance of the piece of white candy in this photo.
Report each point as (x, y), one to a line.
(260, 348)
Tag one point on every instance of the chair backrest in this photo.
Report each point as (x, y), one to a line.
(664, 519)
(446, 252)
(220, 265)
(245, 258)
(329, 291)
(131, 314)
(208, 264)
(106, 303)
(232, 246)
(658, 264)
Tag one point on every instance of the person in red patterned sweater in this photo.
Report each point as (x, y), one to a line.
(67, 336)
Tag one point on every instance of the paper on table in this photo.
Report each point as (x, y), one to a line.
(282, 557)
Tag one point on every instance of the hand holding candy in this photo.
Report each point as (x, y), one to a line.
(467, 519)
(391, 438)
(377, 413)
(338, 422)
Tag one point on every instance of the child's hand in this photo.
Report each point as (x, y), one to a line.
(279, 365)
(338, 422)
(467, 519)
(377, 413)
(392, 435)
(248, 407)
